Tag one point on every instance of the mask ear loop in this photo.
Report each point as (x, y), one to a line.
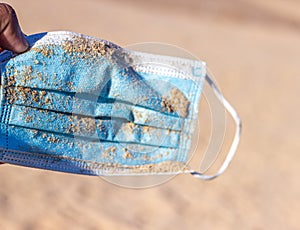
(236, 137)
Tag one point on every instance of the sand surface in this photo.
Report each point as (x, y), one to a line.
(253, 49)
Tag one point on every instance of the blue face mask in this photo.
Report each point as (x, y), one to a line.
(76, 104)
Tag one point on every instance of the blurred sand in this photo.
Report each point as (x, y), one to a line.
(253, 49)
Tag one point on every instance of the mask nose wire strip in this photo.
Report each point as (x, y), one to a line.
(236, 137)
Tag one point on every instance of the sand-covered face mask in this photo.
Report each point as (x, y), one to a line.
(77, 104)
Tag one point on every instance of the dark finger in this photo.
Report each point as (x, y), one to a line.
(11, 36)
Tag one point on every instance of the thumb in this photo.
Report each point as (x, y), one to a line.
(11, 36)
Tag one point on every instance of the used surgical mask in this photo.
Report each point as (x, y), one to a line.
(76, 104)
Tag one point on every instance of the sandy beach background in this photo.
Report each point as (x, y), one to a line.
(253, 49)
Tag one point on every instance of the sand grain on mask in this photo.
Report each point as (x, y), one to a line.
(86, 48)
(176, 102)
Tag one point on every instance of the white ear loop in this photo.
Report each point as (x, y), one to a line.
(236, 137)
